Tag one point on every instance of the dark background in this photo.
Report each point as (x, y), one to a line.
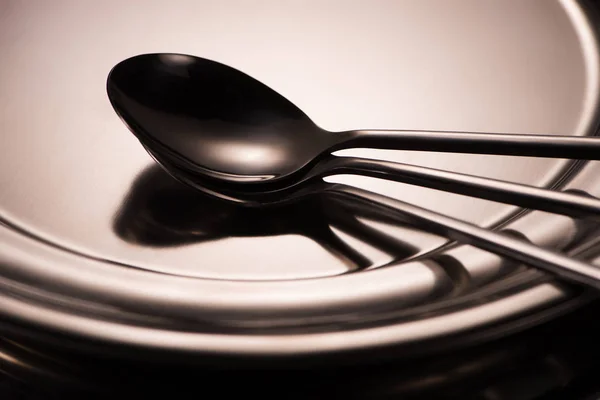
(557, 360)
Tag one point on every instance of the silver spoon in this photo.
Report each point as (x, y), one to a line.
(220, 123)
(225, 124)
(229, 135)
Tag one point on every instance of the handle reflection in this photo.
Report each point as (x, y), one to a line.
(161, 212)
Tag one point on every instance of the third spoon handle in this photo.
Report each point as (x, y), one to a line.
(573, 147)
(464, 232)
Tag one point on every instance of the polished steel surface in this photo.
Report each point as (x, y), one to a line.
(89, 248)
(87, 153)
(223, 129)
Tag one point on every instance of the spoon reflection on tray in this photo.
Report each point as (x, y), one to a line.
(162, 212)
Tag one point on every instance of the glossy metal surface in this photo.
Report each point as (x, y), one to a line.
(90, 260)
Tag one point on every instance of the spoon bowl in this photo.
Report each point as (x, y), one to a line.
(216, 120)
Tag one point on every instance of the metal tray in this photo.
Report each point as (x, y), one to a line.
(101, 251)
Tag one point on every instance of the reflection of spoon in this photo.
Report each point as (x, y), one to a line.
(218, 130)
(159, 211)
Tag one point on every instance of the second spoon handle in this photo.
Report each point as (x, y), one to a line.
(486, 239)
(573, 147)
(571, 204)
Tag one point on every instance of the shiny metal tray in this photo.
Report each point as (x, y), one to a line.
(101, 251)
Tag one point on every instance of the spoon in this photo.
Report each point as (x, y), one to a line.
(230, 136)
(223, 123)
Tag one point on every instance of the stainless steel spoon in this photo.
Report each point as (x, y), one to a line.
(220, 123)
(228, 125)
(229, 135)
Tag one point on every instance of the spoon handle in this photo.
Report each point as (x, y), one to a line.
(572, 147)
(486, 239)
(570, 204)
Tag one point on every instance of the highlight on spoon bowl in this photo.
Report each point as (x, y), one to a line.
(216, 120)
(220, 122)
